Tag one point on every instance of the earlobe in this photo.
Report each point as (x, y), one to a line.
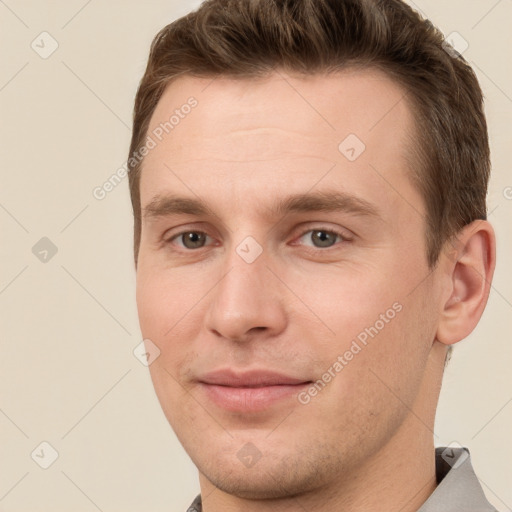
(470, 273)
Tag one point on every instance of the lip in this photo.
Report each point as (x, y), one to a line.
(250, 391)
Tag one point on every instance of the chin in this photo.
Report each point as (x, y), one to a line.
(263, 484)
(273, 476)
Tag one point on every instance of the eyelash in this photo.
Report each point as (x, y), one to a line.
(314, 250)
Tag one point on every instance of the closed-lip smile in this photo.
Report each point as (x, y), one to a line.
(249, 391)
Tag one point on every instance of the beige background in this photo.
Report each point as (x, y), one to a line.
(69, 325)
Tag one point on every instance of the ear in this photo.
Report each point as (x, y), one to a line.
(469, 269)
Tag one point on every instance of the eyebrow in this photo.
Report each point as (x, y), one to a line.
(167, 205)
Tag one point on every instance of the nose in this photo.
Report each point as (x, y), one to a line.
(247, 300)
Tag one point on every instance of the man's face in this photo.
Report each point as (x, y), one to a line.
(293, 342)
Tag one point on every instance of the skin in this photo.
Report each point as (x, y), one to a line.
(365, 441)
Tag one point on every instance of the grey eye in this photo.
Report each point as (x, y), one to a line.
(193, 239)
(324, 238)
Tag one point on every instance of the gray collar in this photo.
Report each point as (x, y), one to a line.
(458, 487)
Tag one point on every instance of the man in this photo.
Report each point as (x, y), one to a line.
(308, 181)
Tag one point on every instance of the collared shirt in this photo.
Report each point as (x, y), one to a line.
(458, 488)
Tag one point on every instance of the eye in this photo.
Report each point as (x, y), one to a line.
(190, 239)
(323, 238)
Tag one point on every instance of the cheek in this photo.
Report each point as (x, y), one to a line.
(380, 379)
(163, 300)
(381, 297)
(161, 306)
(383, 333)
(159, 313)
(170, 304)
(346, 299)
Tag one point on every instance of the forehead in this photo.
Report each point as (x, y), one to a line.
(271, 127)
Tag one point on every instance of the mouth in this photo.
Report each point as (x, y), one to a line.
(252, 391)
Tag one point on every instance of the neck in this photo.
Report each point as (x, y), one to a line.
(400, 476)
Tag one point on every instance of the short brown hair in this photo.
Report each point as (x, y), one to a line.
(251, 38)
